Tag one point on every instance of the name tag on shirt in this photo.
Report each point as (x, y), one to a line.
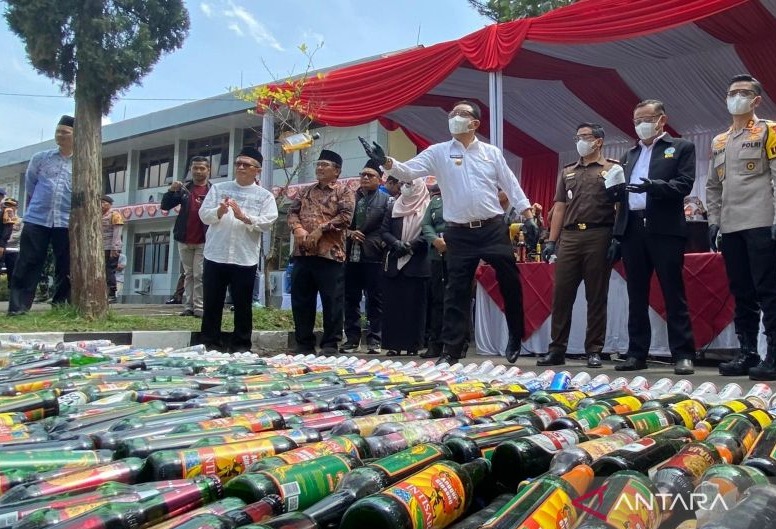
(457, 158)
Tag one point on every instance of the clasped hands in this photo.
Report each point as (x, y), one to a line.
(308, 241)
(228, 203)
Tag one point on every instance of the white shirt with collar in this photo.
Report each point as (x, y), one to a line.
(469, 178)
(638, 201)
(232, 241)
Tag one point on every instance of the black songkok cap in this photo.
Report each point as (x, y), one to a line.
(330, 156)
(251, 152)
(67, 121)
(371, 164)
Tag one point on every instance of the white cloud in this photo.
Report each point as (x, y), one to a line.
(207, 9)
(247, 22)
(106, 120)
(234, 27)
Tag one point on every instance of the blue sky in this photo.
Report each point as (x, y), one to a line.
(234, 42)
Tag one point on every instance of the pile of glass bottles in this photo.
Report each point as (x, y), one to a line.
(94, 435)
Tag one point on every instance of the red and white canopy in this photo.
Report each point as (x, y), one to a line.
(590, 61)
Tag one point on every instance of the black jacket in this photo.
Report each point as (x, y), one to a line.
(171, 199)
(418, 265)
(672, 168)
(372, 247)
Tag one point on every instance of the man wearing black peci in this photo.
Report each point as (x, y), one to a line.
(651, 229)
(470, 173)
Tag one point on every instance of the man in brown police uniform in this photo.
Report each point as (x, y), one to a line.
(583, 219)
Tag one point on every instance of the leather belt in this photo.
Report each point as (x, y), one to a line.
(582, 226)
(475, 223)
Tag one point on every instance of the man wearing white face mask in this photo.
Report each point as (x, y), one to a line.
(650, 224)
(584, 214)
(469, 173)
(739, 193)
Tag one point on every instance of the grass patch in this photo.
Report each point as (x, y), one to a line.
(67, 319)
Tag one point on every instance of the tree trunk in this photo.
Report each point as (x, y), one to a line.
(87, 258)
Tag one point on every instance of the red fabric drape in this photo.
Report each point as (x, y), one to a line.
(363, 92)
(539, 178)
(419, 141)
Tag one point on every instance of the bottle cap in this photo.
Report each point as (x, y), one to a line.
(580, 477)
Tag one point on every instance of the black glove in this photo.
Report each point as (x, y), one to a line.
(714, 233)
(773, 232)
(548, 251)
(530, 230)
(375, 152)
(643, 187)
(613, 253)
(400, 249)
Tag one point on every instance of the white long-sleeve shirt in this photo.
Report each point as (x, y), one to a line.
(469, 178)
(232, 241)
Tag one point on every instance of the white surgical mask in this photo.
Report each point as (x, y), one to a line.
(738, 105)
(646, 130)
(585, 147)
(458, 124)
(406, 190)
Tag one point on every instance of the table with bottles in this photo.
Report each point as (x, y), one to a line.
(95, 436)
(708, 296)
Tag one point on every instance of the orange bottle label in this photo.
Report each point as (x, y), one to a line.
(433, 498)
(226, 461)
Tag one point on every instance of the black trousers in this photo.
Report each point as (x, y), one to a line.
(33, 247)
(750, 261)
(465, 248)
(312, 276)
(363, 279)
(436, 302)
(643, 253)
(111, 263)
(216, 277)
(10, 264)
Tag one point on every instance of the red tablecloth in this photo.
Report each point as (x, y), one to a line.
(708, 297)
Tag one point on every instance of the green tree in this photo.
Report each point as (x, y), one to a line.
(95, 49)
(506, 10)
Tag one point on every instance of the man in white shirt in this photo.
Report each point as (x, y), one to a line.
(236, 213)
(470, 173)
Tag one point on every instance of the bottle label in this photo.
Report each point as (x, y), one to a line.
(431, 431)
(117, 471)
(736, 405)
(694, 458)
(590, 417)
(549, 414)
(634, 505)
(433, 497)
(600, 447)
(415, 457)
(487, 453)
(479, 410)
(257, 422)
(335, 445)
(762, 417)
(225, 461)
(640, 445)
(427, 401)
(569, 398)
(77, 510)
(536, 507)
(552, 442)
(486, 434)
(306, 483)
(647, 422)
(627, 403)
(690, 411)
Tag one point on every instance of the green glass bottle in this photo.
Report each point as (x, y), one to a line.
(626, 499)
(49, 460)
(484, 443)
(34, 406)
(762, 455)
(299, 485)
(343, 444)
(433, 498)
(365, 425)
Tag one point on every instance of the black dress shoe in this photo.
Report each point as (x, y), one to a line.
(684, 367)
(513, 350)
(631, 364)
(594, 360)
(551, 359)
(450, 360)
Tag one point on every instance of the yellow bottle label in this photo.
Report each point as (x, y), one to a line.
(691, 412)
(434, 497)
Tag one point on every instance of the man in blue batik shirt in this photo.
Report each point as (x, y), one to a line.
(49, 183)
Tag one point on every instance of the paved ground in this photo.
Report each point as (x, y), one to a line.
(706, 370)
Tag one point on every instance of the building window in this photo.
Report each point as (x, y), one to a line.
(114, 175)
(156, 168)
(152, 251)
(216, 149)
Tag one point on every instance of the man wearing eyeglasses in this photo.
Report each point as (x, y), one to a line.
(469, 173)
(584, 215)
(236, 213)
(651, 228)
(739, 193)
(363, 269)
(319, 219)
